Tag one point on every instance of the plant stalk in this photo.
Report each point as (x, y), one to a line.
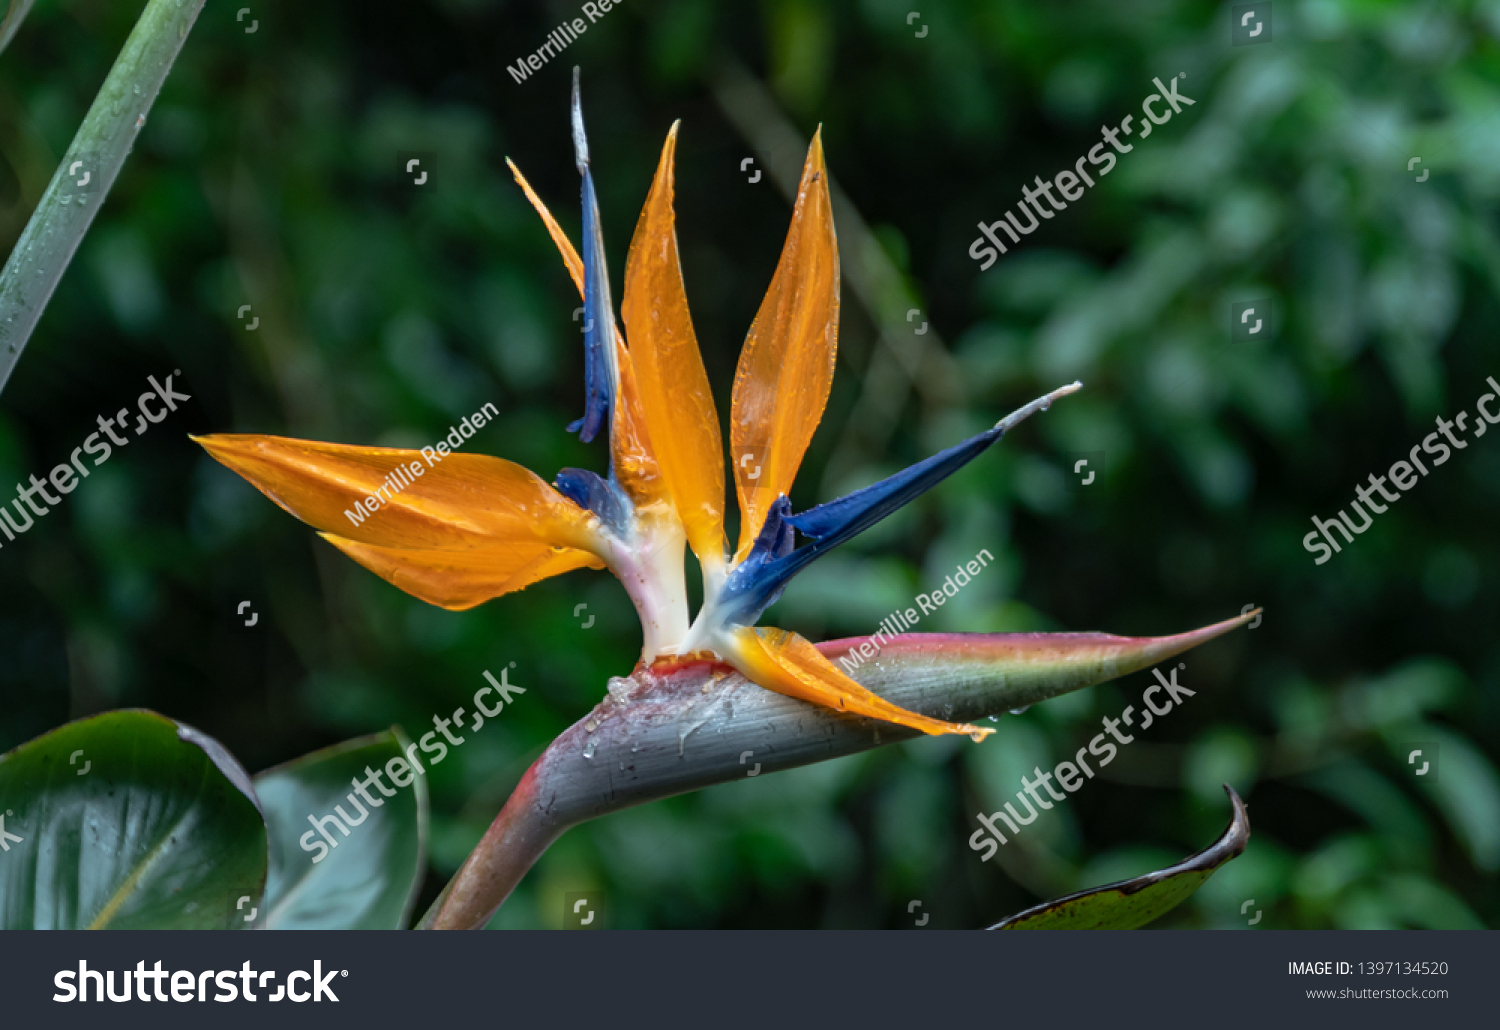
(677, 729)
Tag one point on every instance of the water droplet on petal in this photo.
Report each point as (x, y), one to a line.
(588, 749)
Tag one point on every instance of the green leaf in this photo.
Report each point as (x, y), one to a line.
(1467, 790)
(365, 880)
(128, 820)
(88, 168)
(1132, 903)
(14, 15)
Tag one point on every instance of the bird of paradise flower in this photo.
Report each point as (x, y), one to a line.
(475, 527)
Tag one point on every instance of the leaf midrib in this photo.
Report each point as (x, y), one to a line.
(123, 892)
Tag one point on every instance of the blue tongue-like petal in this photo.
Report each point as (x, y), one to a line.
(759, 579)
(829, 525)
(600, 374)
(588, 490)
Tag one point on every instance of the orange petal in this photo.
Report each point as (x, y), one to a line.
(461, 579)
(782, 661)
(564, 245)
(448, 514)
(635, 463)
(786, 366)
(679, 407)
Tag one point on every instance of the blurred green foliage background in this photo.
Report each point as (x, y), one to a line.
(268, 174)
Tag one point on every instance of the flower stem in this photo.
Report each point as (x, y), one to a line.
(509, 848)
(699, 724)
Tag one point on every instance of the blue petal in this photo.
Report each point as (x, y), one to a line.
(599, 372)
(758, 581)
(829, 525)
(588, 490)
(753, 586)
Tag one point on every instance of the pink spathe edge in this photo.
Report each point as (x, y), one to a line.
(996, 645)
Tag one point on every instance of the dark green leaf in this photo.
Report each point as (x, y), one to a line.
(14, 15)
(365, 880)
(1132, 903)
(128, 820)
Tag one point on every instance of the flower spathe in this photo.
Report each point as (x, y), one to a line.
(474, 527)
